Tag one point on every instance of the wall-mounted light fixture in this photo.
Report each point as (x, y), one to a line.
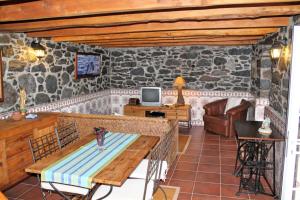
(39, 50)
(280, 54)
(276, 51)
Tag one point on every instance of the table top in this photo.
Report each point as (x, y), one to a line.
(117, 171)
(248, 130)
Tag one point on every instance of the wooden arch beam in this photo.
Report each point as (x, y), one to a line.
(46, 9)
(169, 34)
(156, 26)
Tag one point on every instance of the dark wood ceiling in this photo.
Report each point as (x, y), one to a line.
(131, 23)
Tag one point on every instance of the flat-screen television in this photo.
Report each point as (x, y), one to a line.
(150, 96)
(87, 65)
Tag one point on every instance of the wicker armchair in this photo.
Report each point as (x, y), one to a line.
(217, 122)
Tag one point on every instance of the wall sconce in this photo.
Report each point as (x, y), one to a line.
(276, 51)
(280, 54)
(39, 50)
(179, 83)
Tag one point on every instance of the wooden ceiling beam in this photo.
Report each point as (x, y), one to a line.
(46, 9)
(169, 34)
(218, 43)
(178, 39)
(156, 26)
(171, 16)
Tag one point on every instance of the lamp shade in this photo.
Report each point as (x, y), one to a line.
(179, 82)
(39, 50)
(276, 51)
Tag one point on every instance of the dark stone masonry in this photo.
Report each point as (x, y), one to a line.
(203, 67)
(48, 79)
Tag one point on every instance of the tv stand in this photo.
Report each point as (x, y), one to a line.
(180, 113)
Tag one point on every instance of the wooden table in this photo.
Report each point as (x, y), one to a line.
(180, 113)
(117, 171)
(254, 158)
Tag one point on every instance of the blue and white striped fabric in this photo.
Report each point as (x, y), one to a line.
(79, 167)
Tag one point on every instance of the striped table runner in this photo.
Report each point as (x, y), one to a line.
(79, 167)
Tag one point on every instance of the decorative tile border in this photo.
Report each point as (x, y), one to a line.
(112, 101)
(196, 98)
(276, 119)
(62, 104)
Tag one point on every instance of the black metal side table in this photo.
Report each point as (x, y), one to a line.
(254, 157)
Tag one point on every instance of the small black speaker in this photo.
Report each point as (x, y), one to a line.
(134, 101)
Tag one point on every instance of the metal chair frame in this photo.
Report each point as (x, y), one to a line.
(67, 133)
(152, 170)
(42, 147)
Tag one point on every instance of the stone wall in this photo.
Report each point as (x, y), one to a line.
(48, 79)
(203, 67)
(261, 76)
(277, 92)
(267, 80)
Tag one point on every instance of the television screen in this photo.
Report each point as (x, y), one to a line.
(87, 65)
(151, 96)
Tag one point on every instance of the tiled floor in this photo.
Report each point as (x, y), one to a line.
(204, 172)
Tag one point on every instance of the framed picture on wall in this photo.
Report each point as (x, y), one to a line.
(87, 65)
(1, 79)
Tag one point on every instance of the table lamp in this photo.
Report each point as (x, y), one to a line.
(179, 83)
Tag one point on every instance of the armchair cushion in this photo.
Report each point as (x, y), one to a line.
(217, 122)
(231, 103)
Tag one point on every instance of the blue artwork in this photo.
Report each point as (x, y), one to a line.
(88, 64)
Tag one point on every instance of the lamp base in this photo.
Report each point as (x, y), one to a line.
(180, 99)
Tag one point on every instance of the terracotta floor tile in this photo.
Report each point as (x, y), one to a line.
(31, 180)
(227, 139)
(192, 152)
(204, 197)
(188, 166)
(213, 160)
(228, 147)
(228, 142)
(230, 179)
(228, 169)
(228, 153)
(215, 142)
(227, 161)
(208, 177)
(189, 158)
(34, 194)
(261, 197)
(212, 136)
(210, 147)
(184, 196)
(195, 145)
(207, 188)
(209, 168)
(231, 198)
(185, 186)
(184, 175)
(209, 141)
(210, 152)
(231, 191)
(199, 149)
(53, 196)
(17, 190)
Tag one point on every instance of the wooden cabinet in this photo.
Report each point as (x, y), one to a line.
(180, 113)
(15, 153)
